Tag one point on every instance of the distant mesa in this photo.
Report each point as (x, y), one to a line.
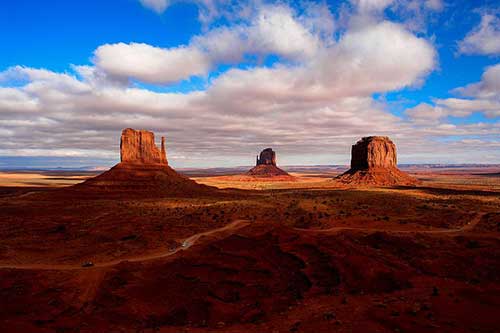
(266, 157)
(143, 170)
(266, 165)
(374, 162)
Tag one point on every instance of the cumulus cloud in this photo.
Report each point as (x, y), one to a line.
(380, 56)
(488, 87)
(426, 114)
(150, 64)
(383, 57)
(481, 97)
(485, 38)
(485, 94)
(273, 30)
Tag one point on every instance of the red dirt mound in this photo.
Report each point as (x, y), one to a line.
(144, 180)
(267, 170)
(376, 176)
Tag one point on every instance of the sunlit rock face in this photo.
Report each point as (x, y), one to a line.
(373, 151)
(374, 162)
(138, 147)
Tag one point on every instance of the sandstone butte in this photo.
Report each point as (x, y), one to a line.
(143, 171)
(266, 166)
(374, 162)
(139, 147)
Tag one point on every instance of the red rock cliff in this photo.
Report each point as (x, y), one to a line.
(373, 151)
(374, 162)
(138, 147)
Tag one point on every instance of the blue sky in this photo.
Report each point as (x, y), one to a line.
(222, 81)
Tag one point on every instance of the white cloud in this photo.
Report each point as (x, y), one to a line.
(376, 59)
(488, 87)
(15, 100)
(485, 94)
(150, 64)
(382, 57)
(464, 107)
(483, 97)
(158, 6)
(273, 30)
(426, 114)
(483, 39)
(276, 30)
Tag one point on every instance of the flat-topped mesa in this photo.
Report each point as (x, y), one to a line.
(372, 152)
(266, 157)
(374, 162)
(138, 147)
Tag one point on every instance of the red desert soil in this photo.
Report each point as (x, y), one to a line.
(298, 259)
(268, 171)
(141, 180)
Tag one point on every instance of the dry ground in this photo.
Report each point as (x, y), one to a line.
(300, 256)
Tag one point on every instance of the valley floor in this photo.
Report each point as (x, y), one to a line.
(288, 256)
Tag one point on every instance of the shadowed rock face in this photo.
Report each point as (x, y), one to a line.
(373, 151)
(267, 157)
(138, 147)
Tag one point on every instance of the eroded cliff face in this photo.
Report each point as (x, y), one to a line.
(373, 151)
(138, 147)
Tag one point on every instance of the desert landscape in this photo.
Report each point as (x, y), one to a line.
(250, 166)
(143, 248)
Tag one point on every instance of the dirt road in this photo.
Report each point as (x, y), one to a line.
(186, 243)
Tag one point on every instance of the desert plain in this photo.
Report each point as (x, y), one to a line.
(301, 255)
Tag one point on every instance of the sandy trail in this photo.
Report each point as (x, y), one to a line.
(186, 243)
